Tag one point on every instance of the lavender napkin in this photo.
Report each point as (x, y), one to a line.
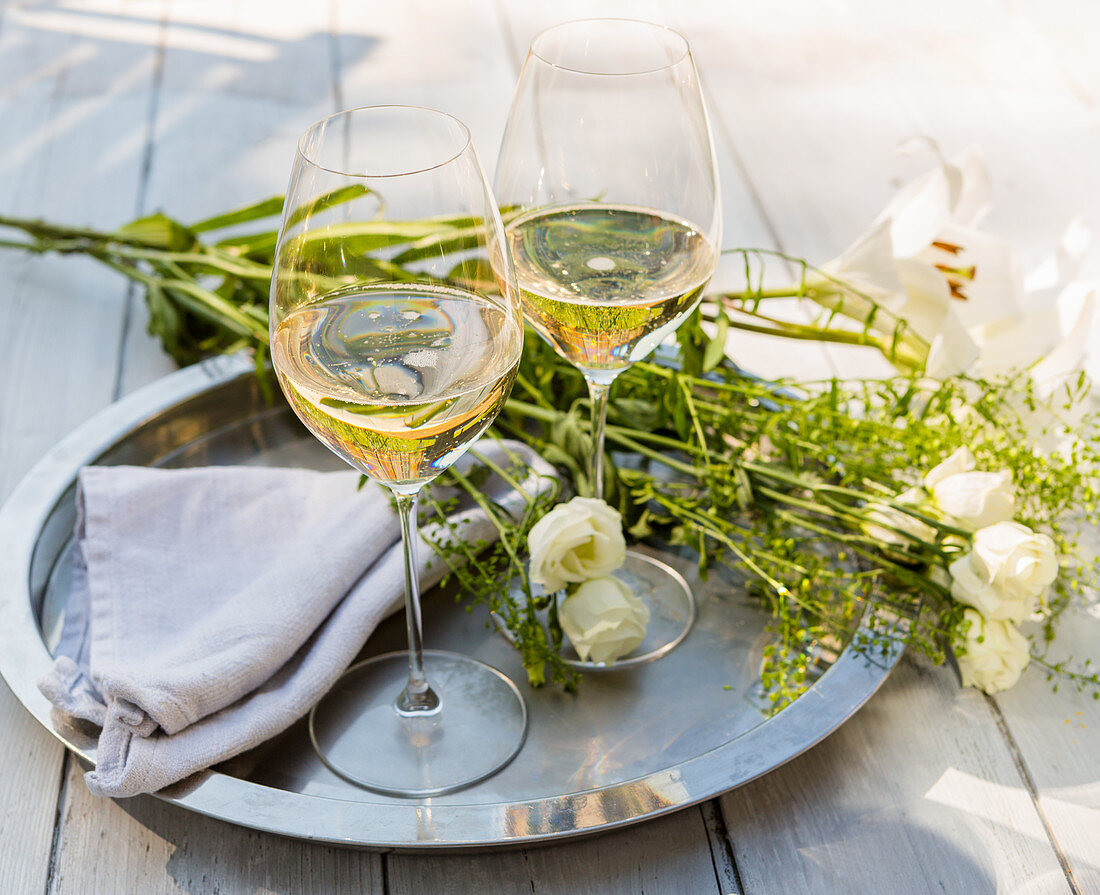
(210, 608)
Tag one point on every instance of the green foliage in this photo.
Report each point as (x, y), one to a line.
(483, 571)
(770, 482)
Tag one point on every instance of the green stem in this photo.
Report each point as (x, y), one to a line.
(39, 228)
(753, 294)
(706, 525)
(199, 300)
(214, 259)
(619, 437)
(655, 438)
(535, 393)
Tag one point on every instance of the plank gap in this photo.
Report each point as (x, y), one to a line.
(335, 62)
(124, 331)
(530, 875)
(509, 39)
(55, 842)
(384, 862)
(1032, 791)
(142, 190)
(721, 850)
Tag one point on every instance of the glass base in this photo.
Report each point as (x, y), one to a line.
(671, 612)
(477, 729)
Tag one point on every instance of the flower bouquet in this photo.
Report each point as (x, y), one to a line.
(952, 492)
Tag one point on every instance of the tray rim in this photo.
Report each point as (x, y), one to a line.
(388, 825)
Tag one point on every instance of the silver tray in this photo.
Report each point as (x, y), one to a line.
(630, 745)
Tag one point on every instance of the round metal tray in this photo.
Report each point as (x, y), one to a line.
(630, 745)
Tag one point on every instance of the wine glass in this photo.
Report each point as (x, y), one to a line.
(397, 349)
(608, 170)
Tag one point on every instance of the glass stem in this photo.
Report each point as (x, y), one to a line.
(417, 696)
(597, 393)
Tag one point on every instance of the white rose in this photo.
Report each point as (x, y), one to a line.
(960, 461)
(890, 524)
(603, 620)
(575, 541)
(977, 499)
(996, 654)
(1016, 559)
(1006, 572)
(969, 585)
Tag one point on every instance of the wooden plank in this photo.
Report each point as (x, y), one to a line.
(232, 99)
(147, 846)
(664, 855)
(721, 851)
(1026, 93)
(814, 140)
(239, 82)
(1057, 738)
(819, 91)
(938, 78)
(1010, 94)
(59, 94)
(30, 760)
(65, 313)
(917, 793)
(444, 55)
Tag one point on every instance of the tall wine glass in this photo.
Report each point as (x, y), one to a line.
(609, 164)
(397, 350)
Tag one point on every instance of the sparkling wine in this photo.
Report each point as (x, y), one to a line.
(605, 284)
(398, 379)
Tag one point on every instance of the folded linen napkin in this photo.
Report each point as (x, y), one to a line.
(210, 608)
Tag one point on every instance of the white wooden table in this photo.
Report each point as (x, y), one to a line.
(110, 108)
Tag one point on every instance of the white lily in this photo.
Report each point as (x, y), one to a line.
(924, 260)
(958, 288)
(910, 289)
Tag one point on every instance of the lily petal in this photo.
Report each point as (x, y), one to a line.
(972, 198)
(952, 351)
(918, 213)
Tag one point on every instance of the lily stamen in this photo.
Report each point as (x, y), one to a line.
(967, 273)
(948, 247)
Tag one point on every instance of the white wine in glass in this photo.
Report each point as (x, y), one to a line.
(608, 170)
(605, 284)
(399, 381)
(398, 364)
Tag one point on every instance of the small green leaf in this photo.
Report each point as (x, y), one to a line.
(440, 244)
(160, 232)
(716, 347)
(256, 211)
(325, 202)
(251, 245)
